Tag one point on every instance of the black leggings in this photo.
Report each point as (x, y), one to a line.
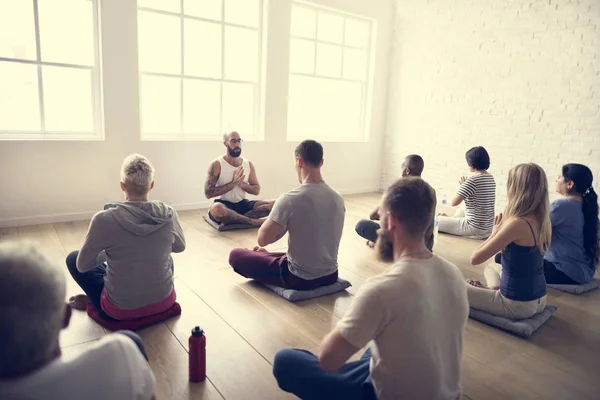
(555, 276)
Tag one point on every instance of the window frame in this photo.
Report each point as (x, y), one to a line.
(367, 84)
(97, 133)
(258, 85)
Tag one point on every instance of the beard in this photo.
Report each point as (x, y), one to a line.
(234, 152)
(384, 247)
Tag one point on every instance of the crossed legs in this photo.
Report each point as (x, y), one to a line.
(255, 217)
(299, 372)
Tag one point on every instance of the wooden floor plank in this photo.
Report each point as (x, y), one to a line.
(233, 365)
(168, 359)
(246, 324)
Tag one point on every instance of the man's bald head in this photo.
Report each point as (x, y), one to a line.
(413, 165)
(233, 142)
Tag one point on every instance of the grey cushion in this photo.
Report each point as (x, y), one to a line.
(297, 295)
(578, 289)
(228, 227)
(522, 327)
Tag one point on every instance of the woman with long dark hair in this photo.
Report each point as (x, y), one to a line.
(573, 254)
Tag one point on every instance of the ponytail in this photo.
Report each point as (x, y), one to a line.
(590, 225)
(582, 178)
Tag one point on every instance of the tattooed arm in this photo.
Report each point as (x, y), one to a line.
(252, 187)
(210, 186)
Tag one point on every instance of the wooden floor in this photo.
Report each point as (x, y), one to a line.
(246, 324)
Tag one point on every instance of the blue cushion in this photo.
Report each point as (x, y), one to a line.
(227, 227)
(521, 327)
(297, 295)
(578, 289)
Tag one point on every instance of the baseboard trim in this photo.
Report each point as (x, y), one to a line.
(46, 219)
(84, 215)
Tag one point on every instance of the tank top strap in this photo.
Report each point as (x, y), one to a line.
(531, 229)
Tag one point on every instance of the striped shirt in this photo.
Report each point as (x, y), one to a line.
(479, 192)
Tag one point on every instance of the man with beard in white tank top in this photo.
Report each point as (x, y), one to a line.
(229, 178)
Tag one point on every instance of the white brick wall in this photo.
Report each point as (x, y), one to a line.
(519, 77)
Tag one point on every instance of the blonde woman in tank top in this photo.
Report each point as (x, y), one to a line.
(517, 288)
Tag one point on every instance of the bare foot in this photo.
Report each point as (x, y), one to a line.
(370, 244)
(79, 302)
(476, 283)
(258, 222)
(261, 249)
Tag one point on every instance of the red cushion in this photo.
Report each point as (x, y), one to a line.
(133, 324)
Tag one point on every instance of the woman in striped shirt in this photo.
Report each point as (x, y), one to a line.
(479, 194)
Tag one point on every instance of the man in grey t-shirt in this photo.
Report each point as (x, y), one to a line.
(313, 215)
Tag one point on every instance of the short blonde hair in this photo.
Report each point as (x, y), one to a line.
(137, 173)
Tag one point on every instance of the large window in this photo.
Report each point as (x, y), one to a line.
(200, 68)
(330, 68)
(49, 70)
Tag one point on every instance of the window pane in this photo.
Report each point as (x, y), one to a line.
(19, 101)
(357, 33)
(329, 60)
(202, 43)
(302, 56)
(238, 108)
(330, 27)
(304, 22)
(201, 107)
(17, 29)
(161, 104)
(241, 54)
(67, 31)
(242, 12)
(164, 5)
(68, 99)
(355, 64)
(325, 108)
(159, 41)
(211, 9)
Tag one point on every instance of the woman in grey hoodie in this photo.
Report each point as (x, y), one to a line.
(125, 266)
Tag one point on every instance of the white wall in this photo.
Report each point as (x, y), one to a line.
(58, 181)
(521, 78)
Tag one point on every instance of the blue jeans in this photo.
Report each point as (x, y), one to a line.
(91, 282)
(299, 372)
(367, 229)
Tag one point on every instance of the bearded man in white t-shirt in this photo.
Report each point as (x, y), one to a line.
(412, 318)
(229, 178)
(32, 313)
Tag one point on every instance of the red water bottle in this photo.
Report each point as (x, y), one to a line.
(197, 355)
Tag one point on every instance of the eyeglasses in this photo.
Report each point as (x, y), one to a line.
(235, 141)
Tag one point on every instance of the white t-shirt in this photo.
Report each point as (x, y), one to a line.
(236, 194)
(414, 316)
(114, 368)
(313, 215)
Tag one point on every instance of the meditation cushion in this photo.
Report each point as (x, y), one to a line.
(228, 227)
(297, 295)
(578, 289)
(521, 327)
(133, 324)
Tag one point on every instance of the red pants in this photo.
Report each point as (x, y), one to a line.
(272, 268)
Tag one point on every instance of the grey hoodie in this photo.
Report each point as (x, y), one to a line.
(136, 240)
